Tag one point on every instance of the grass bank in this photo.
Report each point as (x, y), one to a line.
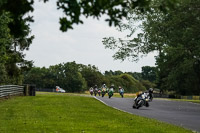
(62, 113)
(185, 100)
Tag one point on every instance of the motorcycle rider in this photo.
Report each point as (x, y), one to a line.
(140, 95)
(103, 90)
(99, 91)
(91, 91)
(95, 90)
(111, 91)
(121, 91)
(150, 93)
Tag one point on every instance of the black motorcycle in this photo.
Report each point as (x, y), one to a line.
(103, 92)
(95, 91)
(99, 92)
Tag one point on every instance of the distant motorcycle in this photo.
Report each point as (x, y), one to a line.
(121, 92)
(91, 92)
(110, 92)
(141, 100)
(103, 92)
(95, 91)
(99, 92)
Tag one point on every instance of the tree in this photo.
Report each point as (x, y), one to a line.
(18, 38)
(74, 9)
(136, 75)
(115, 10)
(92, 75)
(129, 83)
(147, 84)
(70, 78)
(66, 75)
(149, 73)
(4, 43)
(174, 35)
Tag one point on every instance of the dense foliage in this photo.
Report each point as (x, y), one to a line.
(174, 35)
(115, 10)
(15, 30)
(14, 39)
(78, 77)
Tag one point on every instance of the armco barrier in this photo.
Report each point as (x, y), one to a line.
(10, 90)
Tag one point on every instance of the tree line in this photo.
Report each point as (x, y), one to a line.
(169, 27)
(174, 35)
(75, 77)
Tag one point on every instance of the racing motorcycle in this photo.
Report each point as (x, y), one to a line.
(103, 92)
(95, 91)
(91, 92)
(121, 92)
(99, 92)
(141, 100)
(110, 92)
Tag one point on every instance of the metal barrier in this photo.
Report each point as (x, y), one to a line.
(10, 90)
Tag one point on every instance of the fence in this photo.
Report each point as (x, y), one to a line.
(10, 90)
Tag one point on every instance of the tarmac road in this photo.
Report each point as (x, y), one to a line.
(184, 114)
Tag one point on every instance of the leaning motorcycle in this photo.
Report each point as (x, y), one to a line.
(141, 100)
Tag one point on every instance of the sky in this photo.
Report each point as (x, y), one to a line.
(83, 44)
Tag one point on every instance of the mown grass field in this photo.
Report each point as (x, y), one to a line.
(69, 113)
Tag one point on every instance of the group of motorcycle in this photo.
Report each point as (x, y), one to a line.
(103, 90)
(143, 99)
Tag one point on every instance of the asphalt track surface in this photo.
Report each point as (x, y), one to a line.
(184, 114)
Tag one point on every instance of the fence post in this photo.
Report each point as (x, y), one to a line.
(32, 90)
(26, 90)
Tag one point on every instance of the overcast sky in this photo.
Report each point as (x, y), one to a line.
(83, 44)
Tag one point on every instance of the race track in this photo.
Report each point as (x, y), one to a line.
(184, 114)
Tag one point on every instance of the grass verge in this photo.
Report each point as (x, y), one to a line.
(185, 100)
(53, 112)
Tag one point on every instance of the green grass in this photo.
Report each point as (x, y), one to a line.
(185, 100)
(68, 113)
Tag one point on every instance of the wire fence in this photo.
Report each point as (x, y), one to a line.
(10, 90)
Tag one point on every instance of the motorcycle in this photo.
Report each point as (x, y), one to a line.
(103, 92)
(99, 92)
(141, 100)
(121, 92)
(95, 91)
(91, 92)
(110, 92)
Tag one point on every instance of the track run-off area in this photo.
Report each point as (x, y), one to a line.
(184, 114)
